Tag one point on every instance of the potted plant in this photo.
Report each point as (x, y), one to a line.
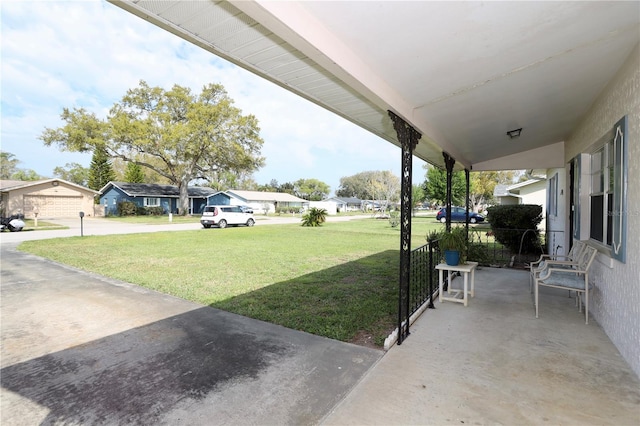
(453, 245)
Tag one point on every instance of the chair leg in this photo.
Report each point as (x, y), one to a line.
(586, 304)
(536, 297)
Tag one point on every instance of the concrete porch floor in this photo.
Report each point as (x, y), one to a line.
(493, 362)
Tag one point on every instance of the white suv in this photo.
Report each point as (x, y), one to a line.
(221, 216)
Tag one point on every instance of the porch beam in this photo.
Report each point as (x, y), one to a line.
(408, 138)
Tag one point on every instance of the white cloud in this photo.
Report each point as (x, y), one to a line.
(88, 54)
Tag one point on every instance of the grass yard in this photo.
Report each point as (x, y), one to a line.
(339, 280)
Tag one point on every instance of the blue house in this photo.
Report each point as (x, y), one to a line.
(151, 195)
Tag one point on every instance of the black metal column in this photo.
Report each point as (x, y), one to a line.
(408, 137)
(466, 175)
(448, 163)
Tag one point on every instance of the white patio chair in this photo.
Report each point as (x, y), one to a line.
(569, 279)
(569, 260)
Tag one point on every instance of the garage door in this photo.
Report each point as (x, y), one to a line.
(52, 206)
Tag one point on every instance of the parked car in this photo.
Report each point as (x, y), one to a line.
(458, 214)
(222, 216)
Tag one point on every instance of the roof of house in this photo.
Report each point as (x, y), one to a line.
(156, 190)
(280, 197)
(505, 190)
(10, 185)
(346, 200)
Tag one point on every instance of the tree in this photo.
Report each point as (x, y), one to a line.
(8, 165)
(417, 196)
(227, 179)
(435, 185)
(311, 189)
(9, 168)
(179, 135)
(134, 173)
(100, 170)
(25, 174)
(370, 185)
(358, 186)
(386, 188)
(482, 185)
(73, 172)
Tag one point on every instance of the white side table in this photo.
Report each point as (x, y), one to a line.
(465, 269)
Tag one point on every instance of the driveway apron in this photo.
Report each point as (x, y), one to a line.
(78, 348)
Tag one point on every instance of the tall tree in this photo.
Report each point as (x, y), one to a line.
(100, 170)
(8, 165)
(417, 196)
(179, 135)
(311, 189)
(483, 184)
(370, 185)
(435, 185)
(25, 174)
(73, 172)
(134, 173)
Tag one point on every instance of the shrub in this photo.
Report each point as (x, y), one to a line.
(155, 211)
(394, 219)
(315, 217)
(512, 225)
(288, 210)
(127, 208)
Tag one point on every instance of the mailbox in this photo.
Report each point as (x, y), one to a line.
(81, 215)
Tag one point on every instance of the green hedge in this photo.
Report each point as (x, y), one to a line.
(129, 208)
(510, 224)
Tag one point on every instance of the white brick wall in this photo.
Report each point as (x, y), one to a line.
(615, 302)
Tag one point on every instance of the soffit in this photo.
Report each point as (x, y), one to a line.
(461, 73)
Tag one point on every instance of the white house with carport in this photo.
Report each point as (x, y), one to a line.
(346, 204)
(468, 86)
(260, 202)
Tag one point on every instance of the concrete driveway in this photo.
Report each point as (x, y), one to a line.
(78, 348)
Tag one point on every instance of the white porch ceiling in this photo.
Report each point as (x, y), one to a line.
(461, 73)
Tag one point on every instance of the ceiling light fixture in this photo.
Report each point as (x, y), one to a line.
(515, 133)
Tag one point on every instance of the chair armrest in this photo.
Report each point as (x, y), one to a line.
(561, 262)
(548, 272)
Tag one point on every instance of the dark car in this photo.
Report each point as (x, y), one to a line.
(458, 214)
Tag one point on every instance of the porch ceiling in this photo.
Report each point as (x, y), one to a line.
(461, 73)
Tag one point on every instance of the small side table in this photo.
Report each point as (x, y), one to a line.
(464, 269)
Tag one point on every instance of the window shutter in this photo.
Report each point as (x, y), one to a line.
(619, 228)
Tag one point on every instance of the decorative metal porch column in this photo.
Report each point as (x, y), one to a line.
(466, 222)
(448, 163)
(408, 137)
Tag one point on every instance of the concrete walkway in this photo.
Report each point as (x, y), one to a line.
(81, 349)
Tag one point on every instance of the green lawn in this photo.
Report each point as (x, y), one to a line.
(339, 280)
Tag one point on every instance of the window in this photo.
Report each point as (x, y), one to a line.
(601, 194)
(608, 191)
(151, 202)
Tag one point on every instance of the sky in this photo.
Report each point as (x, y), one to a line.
(87, 54)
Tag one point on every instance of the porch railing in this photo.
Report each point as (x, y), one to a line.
(422, 283)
